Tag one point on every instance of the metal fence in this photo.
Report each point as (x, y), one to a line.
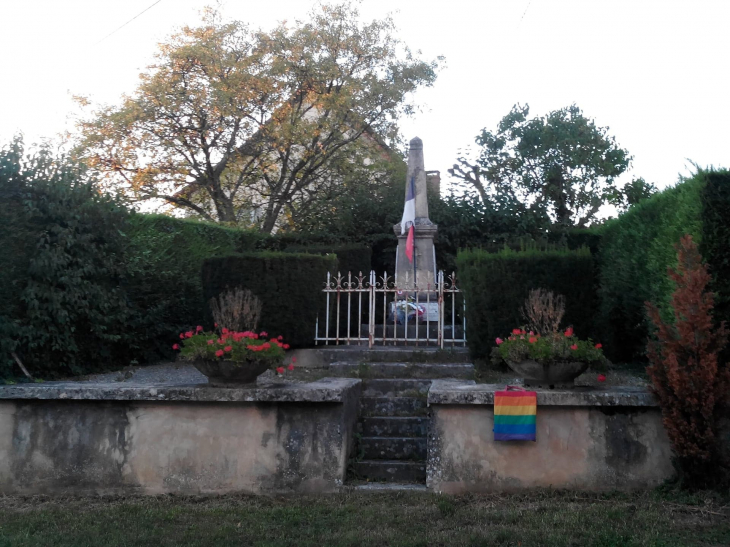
(368, 310)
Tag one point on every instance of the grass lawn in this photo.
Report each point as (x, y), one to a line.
(397, 519)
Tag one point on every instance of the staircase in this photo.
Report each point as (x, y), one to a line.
(393, 428)
(391, 447)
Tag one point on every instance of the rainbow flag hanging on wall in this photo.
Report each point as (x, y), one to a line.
(515, 411)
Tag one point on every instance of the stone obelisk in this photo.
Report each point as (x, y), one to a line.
(421, 272)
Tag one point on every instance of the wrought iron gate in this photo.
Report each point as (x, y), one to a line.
(424, 316)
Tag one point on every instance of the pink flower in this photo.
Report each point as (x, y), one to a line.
(219, 353)
(228, 348)
(280, 370)
(263, 334)
(574, 347)
(601, 377)
(599, 346)
(211, 342)
(532, 333)
(215, 325)
(516, 331)
(176, 346)
(189, 334)
(225, 330)
(499, 341)
(266, 345)
(285, 346)
(293, 360)
(291, 366)
(198, 329)
(182, 336)
(569, 332)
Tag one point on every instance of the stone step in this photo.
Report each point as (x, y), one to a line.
(393, 426)
(390, 487)
(385, 354)
(393, 406)
(402, 370)
(395, 387)
(393, 448)
(391, 471)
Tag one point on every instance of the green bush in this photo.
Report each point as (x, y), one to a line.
(63, 307)
(288, 284)
(496, 285)
(634, 253)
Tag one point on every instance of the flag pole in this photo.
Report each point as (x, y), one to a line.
(415, 283)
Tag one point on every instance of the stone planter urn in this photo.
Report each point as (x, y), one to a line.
(232, 372)
(553, 374)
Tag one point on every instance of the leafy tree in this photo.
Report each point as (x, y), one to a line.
(561, 162)
(236, 125)
(635, 192)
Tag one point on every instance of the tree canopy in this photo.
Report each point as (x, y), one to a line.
(561, 163)
(239, 125)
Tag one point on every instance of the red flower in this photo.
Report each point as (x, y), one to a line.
(574, 347)
(290, 367)
(263, 334)
(228, 348)
(599, 346)
(176, 346)
(225, 330)
(221, 341)
(189, 334)
(280, 338)
(499, 341)
(285, 346)
(516, 331)
(182, 336)
(532, 340)
(215, 325)
(280, 370)
(569, 331)
(266, 345)
(219, 353)
(198, 329)
(211, 342)
(293, 360)
(601, 377)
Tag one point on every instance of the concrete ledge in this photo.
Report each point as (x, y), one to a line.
(454, 393)
(326, 390)
(587, 439)
(87, 438)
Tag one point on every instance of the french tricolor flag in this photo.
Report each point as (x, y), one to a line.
(409, 217)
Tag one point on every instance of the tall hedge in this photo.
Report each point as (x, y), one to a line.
(354, 257)
(165, 258)
(288, 284)
(496, 285)
(715, 242)
(634, 253)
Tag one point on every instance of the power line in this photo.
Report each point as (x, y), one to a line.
(125, 24)
(523, 13)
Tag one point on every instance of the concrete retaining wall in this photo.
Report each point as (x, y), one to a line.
(82, 438)
(586, 440)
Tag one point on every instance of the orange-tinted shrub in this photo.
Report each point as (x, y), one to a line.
(691, 384)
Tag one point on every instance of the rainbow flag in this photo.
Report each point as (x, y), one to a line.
(514, 414)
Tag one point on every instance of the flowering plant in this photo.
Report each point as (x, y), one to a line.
(552, 348)
(235, 347)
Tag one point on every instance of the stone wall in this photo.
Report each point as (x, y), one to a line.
(586, 440)
(82, 438)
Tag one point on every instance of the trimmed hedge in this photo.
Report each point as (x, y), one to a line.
(635, 251)
(496, 285)
(715, 241)
(353, 258)
(288, 284)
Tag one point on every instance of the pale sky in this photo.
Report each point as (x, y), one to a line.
(657, 72)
